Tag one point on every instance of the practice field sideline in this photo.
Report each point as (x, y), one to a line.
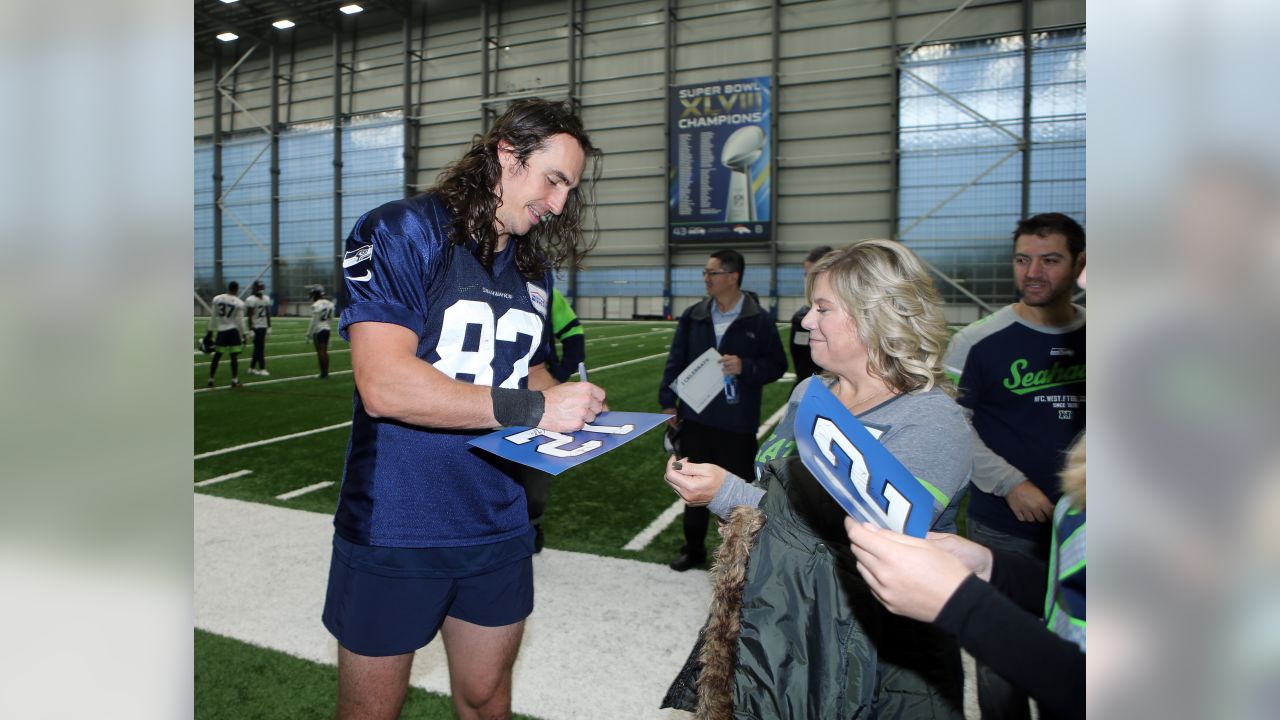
(268, 460)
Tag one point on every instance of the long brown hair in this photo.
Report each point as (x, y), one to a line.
(469, 186)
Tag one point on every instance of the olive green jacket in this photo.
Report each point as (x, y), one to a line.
(794, 631)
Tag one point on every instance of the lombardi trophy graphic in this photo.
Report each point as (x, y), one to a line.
(740, 152)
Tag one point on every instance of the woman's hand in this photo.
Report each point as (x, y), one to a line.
(911, 576)
(695, 483)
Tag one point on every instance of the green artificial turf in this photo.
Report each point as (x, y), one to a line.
(236, 680)
(597, 507)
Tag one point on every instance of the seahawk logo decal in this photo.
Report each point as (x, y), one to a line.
(355, 257)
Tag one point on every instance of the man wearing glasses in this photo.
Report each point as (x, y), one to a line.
(724, 433)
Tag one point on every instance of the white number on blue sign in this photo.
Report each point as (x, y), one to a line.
(556, 448)
(886, 500)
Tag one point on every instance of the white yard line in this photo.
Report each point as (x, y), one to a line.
(304, 433)
(606, 636)
(303, 491)
(268, 441)
(767, 425)
(617, 323)
(268, 382)
(668, 516)
(633, 335)
(290, 355)
(646, 536)
(593, 370)
(221, 478)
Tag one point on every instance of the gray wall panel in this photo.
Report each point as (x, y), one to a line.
(632, 216)
(845, 207)
(831, 123)
(835, 179)
(835, 98)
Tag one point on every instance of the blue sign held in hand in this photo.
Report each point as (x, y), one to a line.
(554, 452)
(866, 479)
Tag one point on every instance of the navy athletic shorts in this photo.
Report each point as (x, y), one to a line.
(390, 601)
(229, 341)
(322, 338)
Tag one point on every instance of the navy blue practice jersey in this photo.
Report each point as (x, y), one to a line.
(409, 486)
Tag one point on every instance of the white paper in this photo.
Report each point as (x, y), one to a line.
(699, 384)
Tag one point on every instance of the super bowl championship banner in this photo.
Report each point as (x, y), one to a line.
(720, 161)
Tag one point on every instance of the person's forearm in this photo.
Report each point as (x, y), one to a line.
(992, 473)
(1020, 578)
(410, 390)
(732, 493)
(1017, 646)
(542, 380)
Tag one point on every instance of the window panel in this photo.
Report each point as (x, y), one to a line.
(954, 100)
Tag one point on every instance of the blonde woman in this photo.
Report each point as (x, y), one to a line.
(794, 630)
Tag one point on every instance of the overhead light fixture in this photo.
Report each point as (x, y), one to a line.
(227, 36)
(350, 9)
(230, 1)
(282, 24)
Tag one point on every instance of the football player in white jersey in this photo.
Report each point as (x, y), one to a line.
(318, 332)
(258, 306)
(226, 323)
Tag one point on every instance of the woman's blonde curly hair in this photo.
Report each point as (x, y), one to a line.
(898, 313)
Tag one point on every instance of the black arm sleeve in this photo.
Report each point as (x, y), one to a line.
(1018, 646)
(1023, 579)
(573, 350)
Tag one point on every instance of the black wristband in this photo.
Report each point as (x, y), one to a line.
(518, 407)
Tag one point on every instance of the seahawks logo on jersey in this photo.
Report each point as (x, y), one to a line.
(355, 257)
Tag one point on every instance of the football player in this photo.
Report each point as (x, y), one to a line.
(318, 332)
(258, 306)
(226, 321)
(449, 296)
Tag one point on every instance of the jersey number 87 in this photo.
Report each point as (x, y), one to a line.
(463, 315)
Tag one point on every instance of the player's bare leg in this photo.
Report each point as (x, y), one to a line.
(371, 688)
(480, 662)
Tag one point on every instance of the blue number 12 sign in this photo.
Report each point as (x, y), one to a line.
(554, 452)
(865, 478)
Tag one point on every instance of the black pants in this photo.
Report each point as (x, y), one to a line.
(537, 488)
(733, 451)
(259, 349)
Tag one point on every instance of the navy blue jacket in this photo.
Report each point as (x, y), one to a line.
(753, 337)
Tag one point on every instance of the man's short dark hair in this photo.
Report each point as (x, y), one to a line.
(467, 185)
(233, 287)
(816, 254)
(1046, 224)
(732, 261)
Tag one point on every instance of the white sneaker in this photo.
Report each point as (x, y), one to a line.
(263, 372)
